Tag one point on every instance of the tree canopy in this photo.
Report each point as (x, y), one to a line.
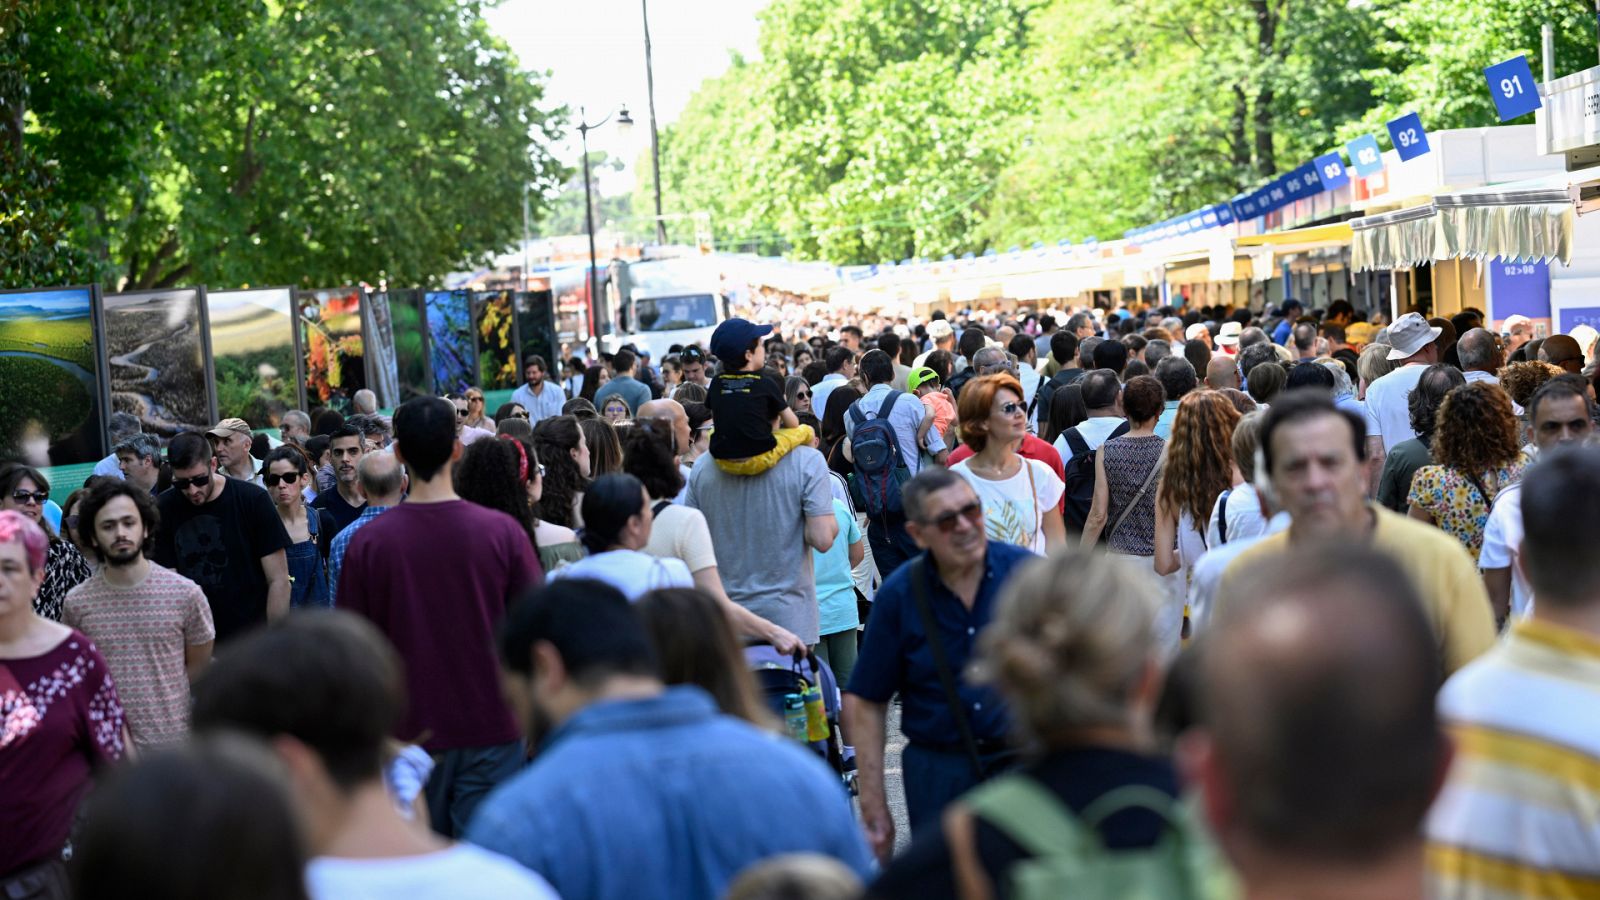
(149, 143)
(873, 130)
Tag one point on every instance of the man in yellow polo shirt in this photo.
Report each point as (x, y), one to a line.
(1314, 456)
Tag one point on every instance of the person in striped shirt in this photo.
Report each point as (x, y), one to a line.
(383, 483)
(1519, 815)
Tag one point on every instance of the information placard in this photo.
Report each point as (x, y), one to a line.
(1512, 86)
(1409, 137)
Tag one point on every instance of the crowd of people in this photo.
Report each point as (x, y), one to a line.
(1160, 600)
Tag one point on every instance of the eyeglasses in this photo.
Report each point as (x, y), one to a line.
(972, 512)
(197, 481)
(271, 480)
(1011, 408)
(22, 496)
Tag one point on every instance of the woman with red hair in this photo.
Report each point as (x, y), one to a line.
(1021, 497)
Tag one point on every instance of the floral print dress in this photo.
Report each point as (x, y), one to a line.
(64, 569)
(1457, 505)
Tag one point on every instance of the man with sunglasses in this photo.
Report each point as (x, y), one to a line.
(953, 741)
(345, 502)
(225, 535)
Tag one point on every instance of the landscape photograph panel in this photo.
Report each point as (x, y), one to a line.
(410, 348)
(49, 391)
(157, 357)
(330, 322)
(252, 354)
(450, 341)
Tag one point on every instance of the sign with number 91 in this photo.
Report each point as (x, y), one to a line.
(1512, 86)
(1410, 140)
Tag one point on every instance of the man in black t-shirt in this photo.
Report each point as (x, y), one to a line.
(225, 535)
(746, 400)
(345, 502)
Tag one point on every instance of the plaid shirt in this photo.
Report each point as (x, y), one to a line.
(341, 542)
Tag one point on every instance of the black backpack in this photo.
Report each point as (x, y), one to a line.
(1079, 469)
(880, 467)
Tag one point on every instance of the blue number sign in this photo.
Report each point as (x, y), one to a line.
(1512, 86)
(1365, 157)
(1330, 170)
(1410, 140)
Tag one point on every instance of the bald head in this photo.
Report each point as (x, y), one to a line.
(669, 414)
(1326, 666)
(1222, 372)
(1562, 350)
(382, 479)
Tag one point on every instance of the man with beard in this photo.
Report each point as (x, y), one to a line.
(225, 535)
(346, 501)
(152, 625)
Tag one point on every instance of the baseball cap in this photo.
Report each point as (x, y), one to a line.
(939, 329)
(230, 426)
(919, 377)
(733, 337)
(1229, 335)
(1409, 334)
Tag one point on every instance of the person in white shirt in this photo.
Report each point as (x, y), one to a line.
(325, 691)
(122, 426)
(1413, 348)
(1480, 355)
(1027, 372)
(617, 521)
(1102, 395)
(541, 397)
(841, 366)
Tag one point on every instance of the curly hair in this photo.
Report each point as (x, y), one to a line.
(489, 474)
(647, 455)
(555, 438)
(1200, 454)
(976, 402)
(605, 450)
(1422, 406)
(1476, 430)
(1521, 379)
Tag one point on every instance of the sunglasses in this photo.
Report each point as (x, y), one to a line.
(519, 415)
(972, 512)
(197, 481)
(271, 480)
(1011, 408)
(474, 399)
(22, 496)
(803, 395)
(460, 411)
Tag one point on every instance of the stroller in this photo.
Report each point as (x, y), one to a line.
(777, 675)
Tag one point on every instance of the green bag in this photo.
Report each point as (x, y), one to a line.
(1068, 858)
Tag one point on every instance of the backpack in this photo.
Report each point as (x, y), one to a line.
(1068, 858)
(1078, 496)
(880, 468)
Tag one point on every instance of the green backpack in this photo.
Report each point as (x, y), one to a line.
(1068, 858)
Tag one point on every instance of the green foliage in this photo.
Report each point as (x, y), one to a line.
(881, 129)
(288, 141)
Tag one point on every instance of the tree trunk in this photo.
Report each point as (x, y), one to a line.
(1238, 140)
(1266, 55)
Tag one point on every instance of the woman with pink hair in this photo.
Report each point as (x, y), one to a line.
(59, 719)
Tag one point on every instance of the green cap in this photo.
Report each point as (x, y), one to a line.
(919, 377)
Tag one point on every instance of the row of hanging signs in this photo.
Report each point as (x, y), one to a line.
(1510, 83)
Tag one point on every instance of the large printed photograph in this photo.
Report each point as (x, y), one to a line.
(50, 408)
(330, 322)
(253, 354)
(382, 367)
(410, 344)
(494, 319)
(156, 348)
(451, 348)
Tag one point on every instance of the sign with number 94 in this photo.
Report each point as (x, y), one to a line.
(1512, 86)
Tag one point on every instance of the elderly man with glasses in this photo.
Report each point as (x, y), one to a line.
(925, 624)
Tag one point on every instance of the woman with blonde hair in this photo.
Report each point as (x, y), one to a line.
(1073, 649)
(1199, 467)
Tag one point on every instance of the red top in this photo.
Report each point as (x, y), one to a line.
(1032, 448)
(437, 579)
(59, 718)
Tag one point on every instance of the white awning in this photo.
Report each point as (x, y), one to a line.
(1521, 221)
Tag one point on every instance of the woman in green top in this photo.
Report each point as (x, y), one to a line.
(505, 474)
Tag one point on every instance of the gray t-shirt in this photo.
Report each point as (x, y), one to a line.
(759, 522)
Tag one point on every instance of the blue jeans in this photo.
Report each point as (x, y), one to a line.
(890, 543)
(462, 777)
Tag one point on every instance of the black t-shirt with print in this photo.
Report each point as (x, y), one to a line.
(219, 545)
(743, 405)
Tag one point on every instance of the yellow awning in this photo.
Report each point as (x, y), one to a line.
(1337, 233)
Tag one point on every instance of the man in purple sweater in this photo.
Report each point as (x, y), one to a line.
(436, 575)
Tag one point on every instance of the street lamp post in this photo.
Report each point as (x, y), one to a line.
(624, 121)
(655, 143)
